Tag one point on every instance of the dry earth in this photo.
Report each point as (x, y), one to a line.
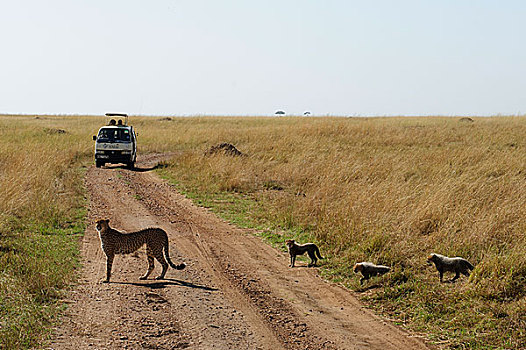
(236, 292)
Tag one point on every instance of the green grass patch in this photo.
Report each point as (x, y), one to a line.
(37, 262)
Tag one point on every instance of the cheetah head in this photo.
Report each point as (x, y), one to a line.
(102, 224)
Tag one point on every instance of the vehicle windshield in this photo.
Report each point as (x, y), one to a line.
(114, 135)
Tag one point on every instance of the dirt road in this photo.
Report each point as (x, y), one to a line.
(236, 292)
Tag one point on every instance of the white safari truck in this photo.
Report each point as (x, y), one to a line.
(116, 142)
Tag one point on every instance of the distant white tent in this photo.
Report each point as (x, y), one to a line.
(280, 113)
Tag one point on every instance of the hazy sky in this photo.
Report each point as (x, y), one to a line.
(187, 57)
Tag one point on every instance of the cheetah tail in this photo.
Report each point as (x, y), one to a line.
(177, 267)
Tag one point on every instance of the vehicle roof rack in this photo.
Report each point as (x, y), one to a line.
(116, 114)
(124, 115)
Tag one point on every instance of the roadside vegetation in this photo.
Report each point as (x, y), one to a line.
(42, 211)
(386, 190)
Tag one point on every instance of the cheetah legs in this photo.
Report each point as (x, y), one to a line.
(151, 263)
(150, 267)
(160, 258)
(109, 263)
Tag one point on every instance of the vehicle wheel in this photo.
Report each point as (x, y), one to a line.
(131, 165)
(99, 164)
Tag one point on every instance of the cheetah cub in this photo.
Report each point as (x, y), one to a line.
(443, 264)
(300, 249)
(368, 269)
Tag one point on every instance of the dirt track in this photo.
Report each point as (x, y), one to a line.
(236, 293)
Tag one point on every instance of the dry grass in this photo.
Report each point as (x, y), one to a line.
(41, 206)
(387, 190)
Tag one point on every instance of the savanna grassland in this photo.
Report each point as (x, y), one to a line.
(386, 190)
(41, 211)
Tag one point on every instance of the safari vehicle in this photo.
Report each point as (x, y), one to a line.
(116, 142)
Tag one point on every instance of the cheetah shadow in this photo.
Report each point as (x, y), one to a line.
(167, 282)
(365, 288)
(135, 169)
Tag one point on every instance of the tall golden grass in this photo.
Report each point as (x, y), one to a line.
(388, 190)
(41, 206)
(391, 191)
